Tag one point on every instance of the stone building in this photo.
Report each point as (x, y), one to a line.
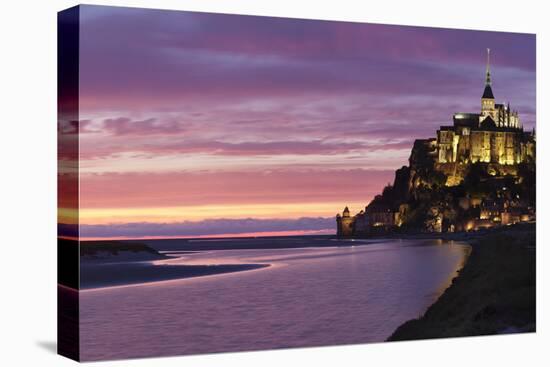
(345, 223)
(494, 135)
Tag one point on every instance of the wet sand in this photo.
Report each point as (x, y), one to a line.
(117, 274)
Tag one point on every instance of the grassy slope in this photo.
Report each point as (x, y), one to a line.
(494, 293)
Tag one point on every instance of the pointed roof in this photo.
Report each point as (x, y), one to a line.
(346, 212)
(488, 123)
(488, 92)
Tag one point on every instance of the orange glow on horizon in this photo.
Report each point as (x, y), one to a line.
(198, 213)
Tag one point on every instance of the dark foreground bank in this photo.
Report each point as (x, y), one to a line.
(493, 294)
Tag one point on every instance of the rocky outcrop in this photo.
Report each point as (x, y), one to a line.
(427, 196)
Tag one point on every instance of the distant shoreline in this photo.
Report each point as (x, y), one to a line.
(253, 243)
(282, 234)
(105, 264)
(494, 292)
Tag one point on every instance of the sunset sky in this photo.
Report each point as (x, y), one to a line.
(196, 124)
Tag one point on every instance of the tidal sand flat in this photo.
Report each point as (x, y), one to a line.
(309, 296)
(108, 264)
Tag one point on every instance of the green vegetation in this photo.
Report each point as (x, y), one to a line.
(494, 293)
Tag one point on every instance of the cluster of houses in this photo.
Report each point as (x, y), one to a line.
(494, 138)
(379, 219)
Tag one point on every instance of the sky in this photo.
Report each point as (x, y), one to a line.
(198, 124)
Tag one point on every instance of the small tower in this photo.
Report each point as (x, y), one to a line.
(345, 213)
(344, 224)
(487, 99)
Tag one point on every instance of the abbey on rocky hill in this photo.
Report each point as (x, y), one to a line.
(489, 147)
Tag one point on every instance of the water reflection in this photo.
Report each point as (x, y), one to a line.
(308, 297)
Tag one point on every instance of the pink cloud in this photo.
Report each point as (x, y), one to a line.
(181, 188)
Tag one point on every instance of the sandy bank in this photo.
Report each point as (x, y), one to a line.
(109, 275)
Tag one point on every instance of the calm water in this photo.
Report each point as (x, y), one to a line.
(307, 297)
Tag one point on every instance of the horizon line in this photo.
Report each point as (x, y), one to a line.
(262, 234)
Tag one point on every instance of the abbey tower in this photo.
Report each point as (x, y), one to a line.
(495, 135)
(487, 99)
(491, 142)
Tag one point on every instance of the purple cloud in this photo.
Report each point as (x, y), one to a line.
(214, 104)
(125, 126)
(174, 59)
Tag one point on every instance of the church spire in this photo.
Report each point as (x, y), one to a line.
(488, 91)
(488, 71)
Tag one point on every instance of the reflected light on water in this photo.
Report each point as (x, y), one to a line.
(307, 297)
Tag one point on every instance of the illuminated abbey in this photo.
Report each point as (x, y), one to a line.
(489, 148)
(495, 135)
